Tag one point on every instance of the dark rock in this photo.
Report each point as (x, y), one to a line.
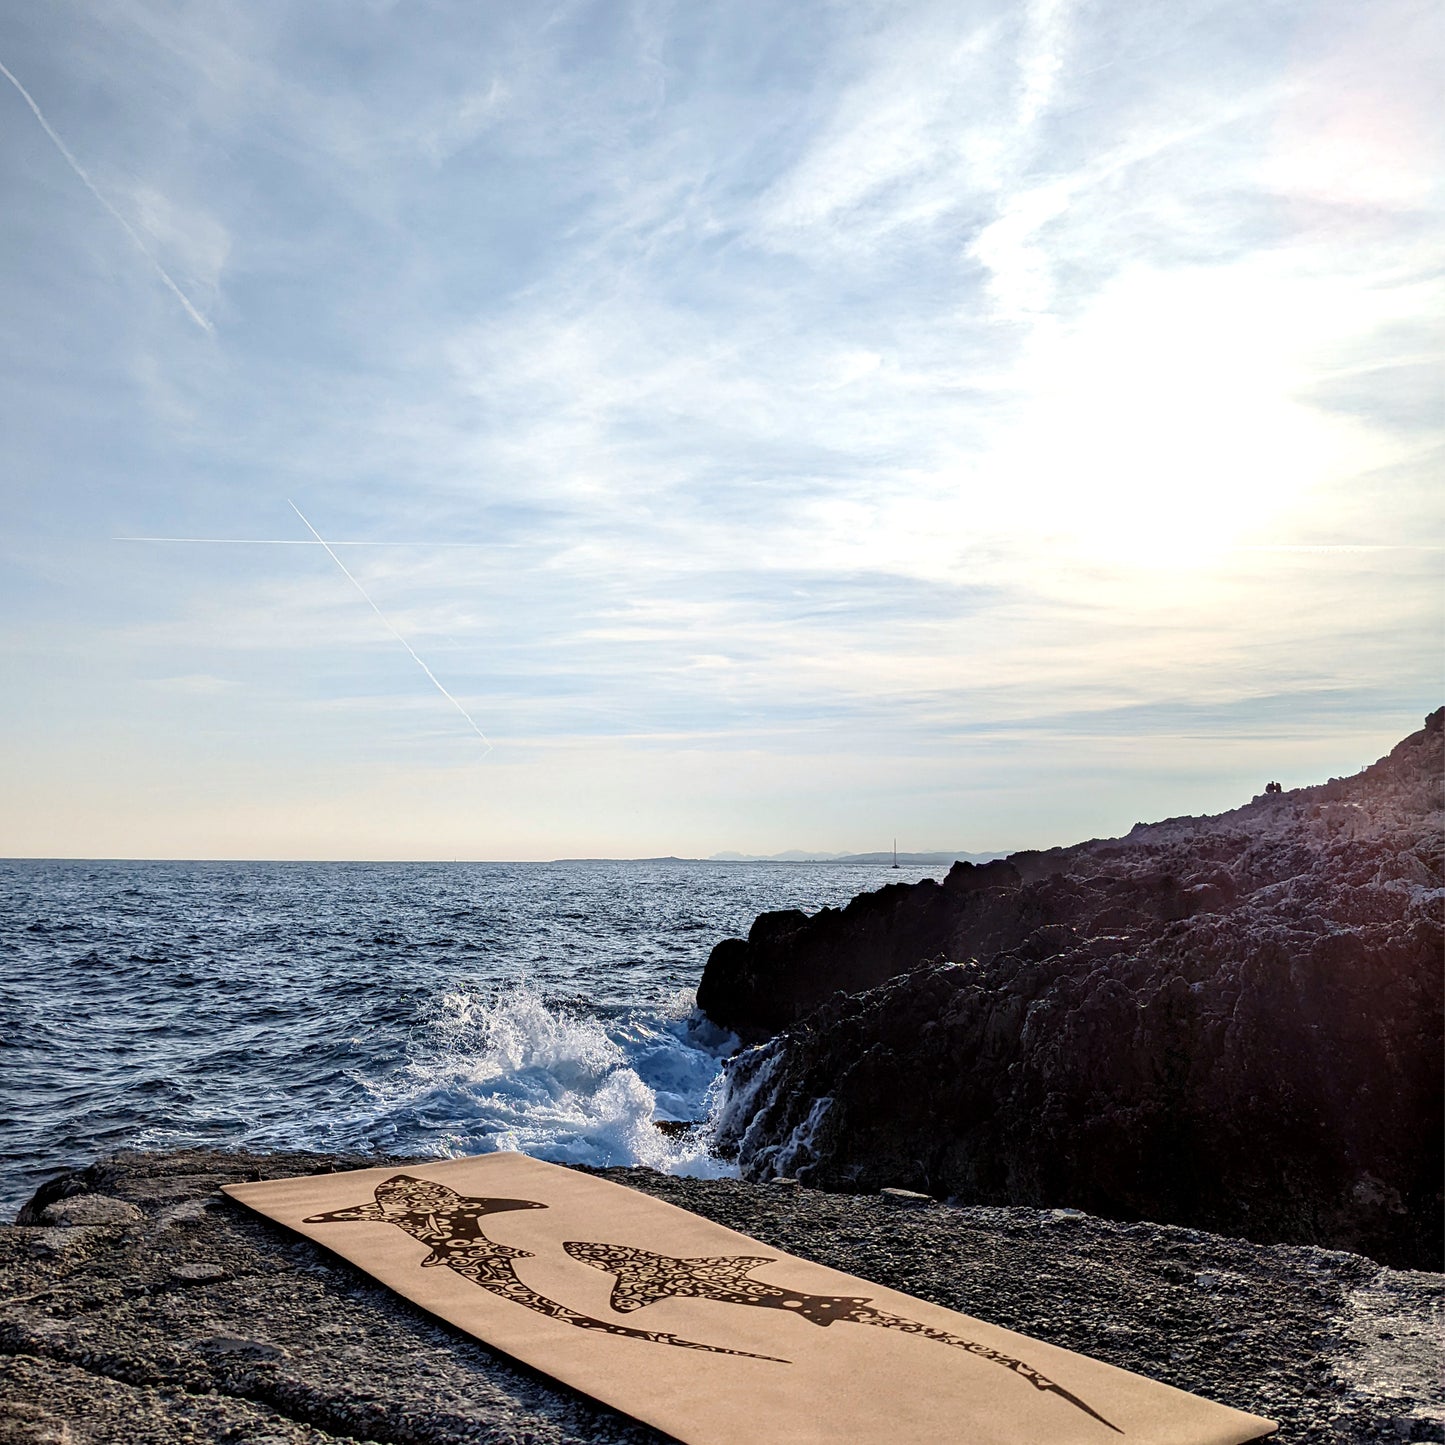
(905, 1198)
(678, 1128)
(63, 1186)
(1233, 1023)
(297, 1346)
(239, 1347)
(790, 962)
(198, 1273)
(90, 1209)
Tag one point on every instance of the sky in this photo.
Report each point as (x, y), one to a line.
(985, 425)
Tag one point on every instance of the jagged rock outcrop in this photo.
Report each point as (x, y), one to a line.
(1232, 1023)
(790, 961)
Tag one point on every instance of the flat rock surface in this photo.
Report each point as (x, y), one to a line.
(137, 1304)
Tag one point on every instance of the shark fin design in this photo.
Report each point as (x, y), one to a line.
(347, 1216)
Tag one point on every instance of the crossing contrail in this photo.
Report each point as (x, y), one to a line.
(305, 542)
(90, 185)
(471, 722)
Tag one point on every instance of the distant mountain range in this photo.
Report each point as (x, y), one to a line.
(795, 855)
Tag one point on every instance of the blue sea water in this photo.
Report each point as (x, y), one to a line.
(425, 1008)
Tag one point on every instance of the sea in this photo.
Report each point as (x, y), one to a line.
(431, 1009)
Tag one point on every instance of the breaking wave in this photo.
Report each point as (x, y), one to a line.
(414, 1008)
(510, 1070)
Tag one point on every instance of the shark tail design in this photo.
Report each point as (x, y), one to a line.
(865, 1315)
(451, 1255)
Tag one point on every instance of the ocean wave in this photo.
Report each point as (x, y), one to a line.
(509, 1069)
(422, 1009)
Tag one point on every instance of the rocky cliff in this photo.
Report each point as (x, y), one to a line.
(1231, 1022)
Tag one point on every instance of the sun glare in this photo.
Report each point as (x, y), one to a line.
(1167, 424)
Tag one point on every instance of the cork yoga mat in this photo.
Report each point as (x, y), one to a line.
(705, 1333)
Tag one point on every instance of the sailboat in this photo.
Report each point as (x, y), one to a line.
(895, 852)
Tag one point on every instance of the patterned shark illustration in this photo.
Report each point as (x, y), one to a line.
(452, 1224)
(643, 1277)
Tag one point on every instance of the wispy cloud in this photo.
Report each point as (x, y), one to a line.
(894, 383)
(196, 684)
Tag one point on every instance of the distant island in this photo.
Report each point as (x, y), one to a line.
(795, 855)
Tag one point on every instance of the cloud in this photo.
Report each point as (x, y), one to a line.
(907, 139)
(196, 684)
(893, 383)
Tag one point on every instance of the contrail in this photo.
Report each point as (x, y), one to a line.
(303, 542)
(471, 722)
(89, 184)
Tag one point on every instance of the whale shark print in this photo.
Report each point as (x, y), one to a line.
(643, 1277)
(452, 1225)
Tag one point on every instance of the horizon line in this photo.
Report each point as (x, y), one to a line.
(960, 854)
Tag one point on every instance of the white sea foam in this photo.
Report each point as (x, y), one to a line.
(797, 1148)
(511, 1071)
(745, 1113)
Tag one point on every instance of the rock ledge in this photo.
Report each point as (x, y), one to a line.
(141, 1306)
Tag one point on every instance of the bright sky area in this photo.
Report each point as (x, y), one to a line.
(772, 426)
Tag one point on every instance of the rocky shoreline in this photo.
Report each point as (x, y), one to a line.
(1232, 1023)
(142, 1306)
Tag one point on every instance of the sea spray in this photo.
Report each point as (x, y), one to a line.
(509, 1069)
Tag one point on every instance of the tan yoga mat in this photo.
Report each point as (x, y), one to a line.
(705, 1333)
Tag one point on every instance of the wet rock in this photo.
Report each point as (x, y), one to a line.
(678, 1128)
(1232, 1023)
